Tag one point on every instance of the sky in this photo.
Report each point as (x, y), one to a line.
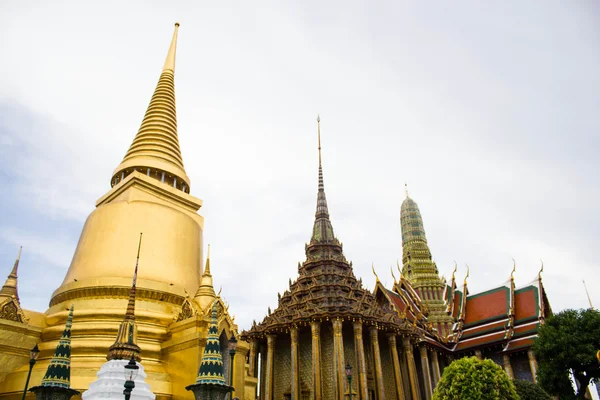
(489, 112)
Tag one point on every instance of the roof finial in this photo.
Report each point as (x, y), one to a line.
(588, 295)
(321, 184)
(393, 276)
(170, 60)
(207, 268)
(465, 281)
(374, 273)
(541, 270)
(512, 274)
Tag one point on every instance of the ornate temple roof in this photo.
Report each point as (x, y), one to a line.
(326, 286)
(156, 145)
(59, 369)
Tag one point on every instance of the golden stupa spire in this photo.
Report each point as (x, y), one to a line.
(155, 149)
(10, 286)
(125, 346)
(205, 295)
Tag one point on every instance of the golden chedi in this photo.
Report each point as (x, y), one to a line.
(150, 193)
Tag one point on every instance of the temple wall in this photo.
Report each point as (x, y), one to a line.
(282, 362)
(520, 365)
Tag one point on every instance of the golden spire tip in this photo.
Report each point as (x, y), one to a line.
(406, 189)
(19, 255)
(170, 60)
(177, 24)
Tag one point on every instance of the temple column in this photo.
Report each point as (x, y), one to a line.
(435, 368)
(478, 354)
(294, 358)
(315, 329)
(269, 367)
(252, 358)
(533, 365)
(396, 362)
(412, 369)
(508, 367)
(338, 358)
(426, 372)
(359, 347)
(377, 359)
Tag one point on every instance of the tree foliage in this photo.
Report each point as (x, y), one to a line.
(568, 342)
(474, 379)
(530, 391)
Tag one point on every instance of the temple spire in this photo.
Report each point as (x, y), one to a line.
(322, 230)
(155, 149)
(125, 345)
(205, 295)
(10, 286)
(59, 369)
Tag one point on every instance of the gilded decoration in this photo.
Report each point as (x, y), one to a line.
(187, 311)
(10, 310)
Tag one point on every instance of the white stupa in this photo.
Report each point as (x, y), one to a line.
(111, 381)
(111, 377)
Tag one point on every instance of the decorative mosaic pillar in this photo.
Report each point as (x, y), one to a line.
(269, 368)
(533, 365)
(478, 354)
(315, 329)
(426, 372)
(252, 358)
(412, 369)
(374, 333)
(338, 354)
(397, 371)
(294, 358)
(436, 367)
(362, 364)
(508, 367)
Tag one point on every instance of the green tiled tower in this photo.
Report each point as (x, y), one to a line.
(419, 268)
(56, 384)
(210, 383)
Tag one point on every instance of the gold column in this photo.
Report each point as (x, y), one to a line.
(269, 368)
(426, 372)
(478, 354)
(338, 358)
(377, 359)
(508, 367)
(436, 367)
(294, 356)
(412, 369)
(252, 358)
(362, 363)
(397, 371)
(315, 329)
(533, 365)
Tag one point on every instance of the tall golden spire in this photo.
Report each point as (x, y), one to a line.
(10, 286)
(125, 346)
(155, 149)
(322, 230)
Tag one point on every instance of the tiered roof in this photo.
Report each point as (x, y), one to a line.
(326, 287)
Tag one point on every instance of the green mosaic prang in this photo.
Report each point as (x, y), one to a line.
(59, 369)
(211, 366)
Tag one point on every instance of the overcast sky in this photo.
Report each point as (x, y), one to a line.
(490, 113)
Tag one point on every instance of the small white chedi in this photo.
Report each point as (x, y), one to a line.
(111, 381)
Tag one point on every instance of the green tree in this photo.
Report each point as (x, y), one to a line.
(474, 379)
(530, 391)
(567, 343)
